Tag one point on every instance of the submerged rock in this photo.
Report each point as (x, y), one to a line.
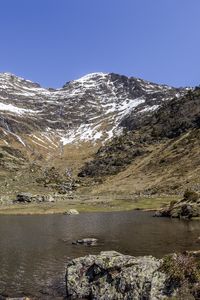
(112, 276)
(86, 242)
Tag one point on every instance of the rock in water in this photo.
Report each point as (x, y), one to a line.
(72, 212)
(86, 242)
(113, 276)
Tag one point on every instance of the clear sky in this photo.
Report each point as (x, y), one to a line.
(54, 41)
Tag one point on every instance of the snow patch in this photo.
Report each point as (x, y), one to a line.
(15, 109)
(149, 108)
(127, 107)
(90, 76)
(82, 133)
(48, 139)
(6, 142)
(39, 144)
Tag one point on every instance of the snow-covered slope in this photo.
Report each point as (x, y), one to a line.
(92, 108)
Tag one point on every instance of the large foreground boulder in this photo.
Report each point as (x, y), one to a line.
(112, 276)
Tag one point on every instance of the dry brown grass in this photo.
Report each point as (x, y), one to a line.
(170, 167)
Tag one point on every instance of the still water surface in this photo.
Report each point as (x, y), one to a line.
(34, 249)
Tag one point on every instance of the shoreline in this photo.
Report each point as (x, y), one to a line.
(95, 204)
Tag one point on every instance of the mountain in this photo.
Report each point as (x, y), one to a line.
(63, 128)
(88, 109)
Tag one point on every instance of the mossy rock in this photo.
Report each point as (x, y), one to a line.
(191, 196)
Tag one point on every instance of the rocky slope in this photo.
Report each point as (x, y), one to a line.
(161, 151)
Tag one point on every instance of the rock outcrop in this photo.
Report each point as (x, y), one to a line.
(29, 198)
(188, 207)
(113, 276)
(72, 212)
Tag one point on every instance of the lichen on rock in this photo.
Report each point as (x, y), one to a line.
(111, 275)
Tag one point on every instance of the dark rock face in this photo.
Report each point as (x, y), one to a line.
(25, 197)
(113, 157)
(188, 207)
(177, 116)
(114, 276)
(172, 119)
(29, 198)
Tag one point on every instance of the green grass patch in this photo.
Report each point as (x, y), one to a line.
(95, 205)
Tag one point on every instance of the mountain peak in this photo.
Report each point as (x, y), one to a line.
(8, 75)
(7, 78)
(92, 76)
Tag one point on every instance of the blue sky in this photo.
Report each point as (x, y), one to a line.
(54, 41)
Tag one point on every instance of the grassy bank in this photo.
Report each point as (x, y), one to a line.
(100, 204)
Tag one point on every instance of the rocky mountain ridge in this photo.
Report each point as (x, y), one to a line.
(88, 109)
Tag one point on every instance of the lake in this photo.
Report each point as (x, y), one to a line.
(34, 249)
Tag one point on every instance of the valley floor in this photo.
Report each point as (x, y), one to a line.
(88, 204)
